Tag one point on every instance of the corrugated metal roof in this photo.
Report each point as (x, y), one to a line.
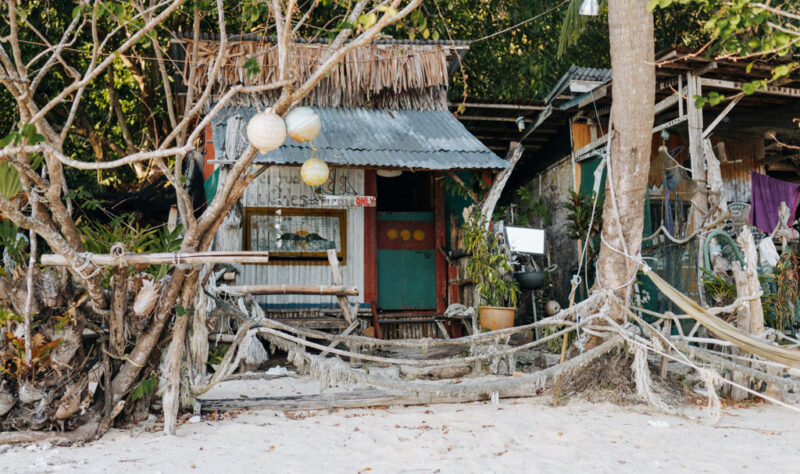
(432, 140)
(578, 73)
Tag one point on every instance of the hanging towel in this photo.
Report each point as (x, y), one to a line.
(669, 221)
(766, 195)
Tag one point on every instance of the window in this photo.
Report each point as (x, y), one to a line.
(296, 235)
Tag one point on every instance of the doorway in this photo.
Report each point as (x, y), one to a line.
(406, 243)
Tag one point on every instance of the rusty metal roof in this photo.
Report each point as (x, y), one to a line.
(409, 139)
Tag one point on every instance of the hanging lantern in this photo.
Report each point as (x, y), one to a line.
(314, 172)
(266, 131)
(303, 124)
(389, 173)
(589, 8)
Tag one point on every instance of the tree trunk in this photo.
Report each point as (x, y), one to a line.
(633, 90)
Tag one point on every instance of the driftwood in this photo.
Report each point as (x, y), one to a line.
(190, 258)
(435, 373)
(327, 401)
(329, 290)
(336, 273)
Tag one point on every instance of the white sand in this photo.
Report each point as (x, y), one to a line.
(524, 435)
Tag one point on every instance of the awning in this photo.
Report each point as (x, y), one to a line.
(405, 139)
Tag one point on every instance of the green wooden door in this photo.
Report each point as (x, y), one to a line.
(406, 261)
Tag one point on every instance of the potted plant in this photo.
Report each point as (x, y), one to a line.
(491, 272)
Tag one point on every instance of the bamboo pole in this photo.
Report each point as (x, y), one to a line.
(328, 290)
(107, 260)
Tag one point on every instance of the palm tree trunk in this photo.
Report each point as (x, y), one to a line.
(633, 90)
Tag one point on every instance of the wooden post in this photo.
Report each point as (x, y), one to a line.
(440, 242)
(750, 313)
(116, 323)
(370, 240)
(695, 120)
(664, 360)
(336, 272)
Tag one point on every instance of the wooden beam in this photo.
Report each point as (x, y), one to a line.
(498, 106)
(667, 103)
(697, 72)
(490, 118)
(586, 151)
(722, 84)
(328, 290)
(721, 116)
(191, 258)
(314, 323)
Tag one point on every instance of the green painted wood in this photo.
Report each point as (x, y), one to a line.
(406, 279)
(405, 216)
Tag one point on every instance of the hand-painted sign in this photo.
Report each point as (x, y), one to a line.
(328, 200)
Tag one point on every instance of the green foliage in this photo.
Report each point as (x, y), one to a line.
(12, 241)
(216, 354)
(99, 237)
(165, 242)
(252, 67)
(489, 266)
(579, 212)
(7, 316)
(786, 301)
(718, 289)
(147, 387)
(749, 30)
(10, 184)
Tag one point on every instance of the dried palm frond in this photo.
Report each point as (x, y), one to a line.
(391, 76)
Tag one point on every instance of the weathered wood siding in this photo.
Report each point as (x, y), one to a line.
(281, 186)
(553, 187)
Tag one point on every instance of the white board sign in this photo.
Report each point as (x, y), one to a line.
(525, 240)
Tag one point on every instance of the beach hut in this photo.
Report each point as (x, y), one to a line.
(387, 138)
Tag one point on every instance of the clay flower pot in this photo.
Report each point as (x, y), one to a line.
(496, 317)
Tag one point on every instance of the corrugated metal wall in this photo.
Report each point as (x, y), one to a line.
(281, 186)
(737, 159)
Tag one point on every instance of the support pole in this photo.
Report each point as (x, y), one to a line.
(336, 272)
(695, 119)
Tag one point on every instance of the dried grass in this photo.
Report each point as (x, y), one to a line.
(374, 76)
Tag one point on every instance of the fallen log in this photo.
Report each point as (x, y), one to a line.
(327, 401)
(419, 393)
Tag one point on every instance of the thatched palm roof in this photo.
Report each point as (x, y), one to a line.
(385, 75)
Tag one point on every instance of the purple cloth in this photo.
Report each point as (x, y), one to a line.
(766, 195)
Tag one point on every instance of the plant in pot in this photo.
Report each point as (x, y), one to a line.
(491, 272)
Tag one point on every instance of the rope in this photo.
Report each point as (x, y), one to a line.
(425, 343)
(723, 330)
(448, 362)
(87, 262)
(118, 252)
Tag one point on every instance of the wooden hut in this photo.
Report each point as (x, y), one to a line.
(754, 133)
(388, 138)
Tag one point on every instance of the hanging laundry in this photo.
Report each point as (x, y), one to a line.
(766, 195)
(669, 221)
